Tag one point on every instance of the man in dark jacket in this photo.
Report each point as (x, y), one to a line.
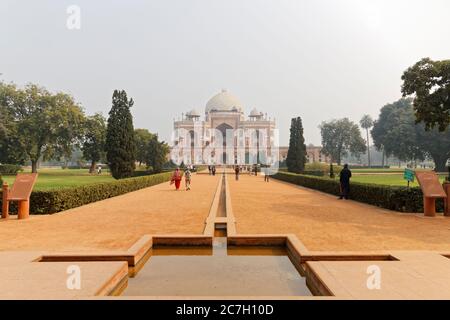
(344, 179)
(237, 170)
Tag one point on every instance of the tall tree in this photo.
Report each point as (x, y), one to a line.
(142, 138)
(367, 123)
(69, 134)
(296, 157)
(120, 142)
(435, 144)
(397, 132)
(429, 81)
(94, 140)
(46, 125)
(11, 150)
(8, 96)
(156, 154)
(2, 122)
(341, 137)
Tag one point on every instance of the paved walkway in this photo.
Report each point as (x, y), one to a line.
(116, 223)
(320, 221)
(324, 223)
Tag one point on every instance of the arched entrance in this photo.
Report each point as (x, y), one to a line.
(223, 129)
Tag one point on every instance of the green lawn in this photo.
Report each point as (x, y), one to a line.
(387, 179)
(58, 178)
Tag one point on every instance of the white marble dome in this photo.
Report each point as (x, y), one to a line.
(255, 113)
(193, 113)
(223, 101)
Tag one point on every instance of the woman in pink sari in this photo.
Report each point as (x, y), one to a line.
(176, 178)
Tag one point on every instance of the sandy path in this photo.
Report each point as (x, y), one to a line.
(322, 222)
(116, 223)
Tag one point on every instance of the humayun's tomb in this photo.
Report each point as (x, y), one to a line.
(223, 114)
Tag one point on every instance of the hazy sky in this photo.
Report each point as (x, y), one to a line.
(319, 59)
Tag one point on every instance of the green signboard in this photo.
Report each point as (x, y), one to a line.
(409, 175)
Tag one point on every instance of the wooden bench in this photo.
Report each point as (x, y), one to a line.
(20, 192)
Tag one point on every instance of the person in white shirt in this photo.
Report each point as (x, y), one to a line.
(187, 179)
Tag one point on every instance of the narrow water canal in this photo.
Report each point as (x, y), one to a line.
(218, 271)
(222, 271)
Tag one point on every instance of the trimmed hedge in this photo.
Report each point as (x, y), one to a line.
(9, 169)
(367, 167)
(389, 197)
(53, 201)
(317, 173)
(142, 173)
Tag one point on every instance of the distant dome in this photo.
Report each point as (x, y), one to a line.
(223, 101)
(193, 113)
(255, 113)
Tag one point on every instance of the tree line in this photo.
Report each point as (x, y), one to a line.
(414, 128)
(397, 133)
(36, 125)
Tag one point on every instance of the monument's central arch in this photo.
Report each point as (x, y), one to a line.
(223, 128)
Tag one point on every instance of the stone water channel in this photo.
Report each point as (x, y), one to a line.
(219, 270)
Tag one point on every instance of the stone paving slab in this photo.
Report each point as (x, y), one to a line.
(22, 277)
(417, 275)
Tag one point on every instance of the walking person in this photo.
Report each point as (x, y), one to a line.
(344, 179)
(236, 172)
(266, 174)
(176, 178)
(99, 170)
(187, 179)
(213, 170)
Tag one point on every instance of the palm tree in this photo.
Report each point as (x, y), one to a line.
(367, 123)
